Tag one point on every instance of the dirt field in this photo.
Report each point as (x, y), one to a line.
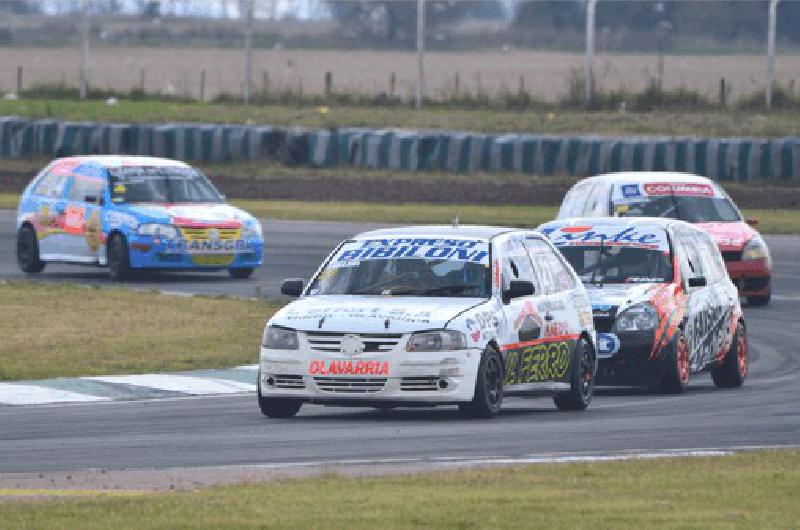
(545, 74)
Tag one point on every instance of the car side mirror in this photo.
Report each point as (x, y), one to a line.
(698, 281)
(752, 221)
(292, 287)
(517, 289)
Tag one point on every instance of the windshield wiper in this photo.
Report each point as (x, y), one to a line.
(454, 288)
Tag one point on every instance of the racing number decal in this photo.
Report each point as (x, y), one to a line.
(74, 220)
(546, 361)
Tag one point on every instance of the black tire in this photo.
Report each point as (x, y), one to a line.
(676, 373)
(488, 397)
(758, 301)
(733, 370)
(241, 273)
(277, 407)
(583, 370)
(118, 257)
(28, 251)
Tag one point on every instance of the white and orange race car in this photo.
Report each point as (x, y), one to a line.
(662, 302)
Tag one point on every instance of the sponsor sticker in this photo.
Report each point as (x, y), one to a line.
(461, 250)
(679, 188)
(348, 367)
(607, 345)
(630, 191)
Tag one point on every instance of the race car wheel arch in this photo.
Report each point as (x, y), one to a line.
(28, 250)
(732, 372)
(583, 370)
(488, 397)
(118, 256)
(675, 378)
(277, 407)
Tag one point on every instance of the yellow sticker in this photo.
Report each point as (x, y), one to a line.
(622, 208)
(119, 189)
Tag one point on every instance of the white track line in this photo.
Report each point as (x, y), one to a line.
(16, 394)
(180, 383)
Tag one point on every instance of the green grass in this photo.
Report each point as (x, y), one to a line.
(694, 123)
(774, 221)
(58, 330)
(754, 490)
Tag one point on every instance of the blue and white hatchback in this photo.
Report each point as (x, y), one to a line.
(131, 213)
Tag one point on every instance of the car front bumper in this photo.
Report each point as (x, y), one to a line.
(632, 365)
(148, 253)
(410, 377)
(751, 277)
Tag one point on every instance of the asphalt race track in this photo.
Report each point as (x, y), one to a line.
(231, 431)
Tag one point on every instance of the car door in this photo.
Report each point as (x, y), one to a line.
(50, 209)
(722, 299)
(701, 310)
(522, 327)
(84, 201)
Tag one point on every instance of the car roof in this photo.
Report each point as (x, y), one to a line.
(649, 176)
(113, 161)
(639, 222)
(439, 231)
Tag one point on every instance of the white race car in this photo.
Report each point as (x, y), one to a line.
(427, 316)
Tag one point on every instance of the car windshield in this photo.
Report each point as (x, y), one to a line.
(619, 264)
(407, 267)
(161, 185)
(685, 208)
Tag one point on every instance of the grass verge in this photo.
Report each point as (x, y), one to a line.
(754, 490)
(57, 330)
(775, 221)
(691, 123)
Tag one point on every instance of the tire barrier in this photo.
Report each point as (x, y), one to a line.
(741, 159)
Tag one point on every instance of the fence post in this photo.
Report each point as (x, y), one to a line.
(265, 82)
(392, 84)
(248, 51)
(587, 71)
(202, 85)
(773, 9)
(84, 73)
(19, 79)
(141, 80)
(328, 83)
(722, 93)
(420, 53)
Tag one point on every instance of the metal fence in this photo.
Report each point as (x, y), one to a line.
(242, 48)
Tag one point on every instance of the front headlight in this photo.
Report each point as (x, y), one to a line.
(252, 230)
(443, 340)
(641, 317)
(756, 249)
(276, 338)
(158, 230)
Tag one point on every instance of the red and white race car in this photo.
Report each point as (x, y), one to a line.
(691, 198)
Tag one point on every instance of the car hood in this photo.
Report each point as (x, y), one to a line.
(729, 236)
(615, 298)
(189, 214)
(370, 314)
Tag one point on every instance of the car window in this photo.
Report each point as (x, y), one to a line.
(573, 203)
(51, 185)
(691, 260)
(597, 201)
(553, 274)
(517, 265)
(713, 265)
(83, 187)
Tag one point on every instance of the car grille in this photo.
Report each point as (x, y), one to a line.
(289, 381)
(331, 342)
(603, 324)
(732, 255)
(191, 234)
(350, 385)
(419, 384)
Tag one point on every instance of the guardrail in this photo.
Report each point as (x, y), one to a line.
(741, 159)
